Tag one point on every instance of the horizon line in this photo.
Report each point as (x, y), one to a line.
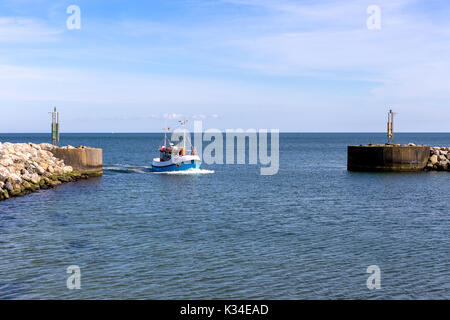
(223, 131)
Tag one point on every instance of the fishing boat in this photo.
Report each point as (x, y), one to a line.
(179, 157)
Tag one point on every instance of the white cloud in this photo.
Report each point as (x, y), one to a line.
(25, 30)
(172, 116)
(407, 58)
(199, 116)
(201, 95)
(323, 40)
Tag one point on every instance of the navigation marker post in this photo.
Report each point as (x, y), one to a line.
(55, 127)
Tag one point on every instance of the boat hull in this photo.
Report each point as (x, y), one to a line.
(177, 167)
(182, 163)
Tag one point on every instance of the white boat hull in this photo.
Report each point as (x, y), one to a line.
(177, 163)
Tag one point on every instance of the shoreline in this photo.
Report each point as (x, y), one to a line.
(27, 167)
(49, 182)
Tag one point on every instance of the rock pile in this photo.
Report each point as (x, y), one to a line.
(27, 167)
(439, 159)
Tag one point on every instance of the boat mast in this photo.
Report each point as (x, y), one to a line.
(165, 136)
(183, 124)
(166, 130)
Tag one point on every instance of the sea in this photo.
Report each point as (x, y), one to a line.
(312, 231)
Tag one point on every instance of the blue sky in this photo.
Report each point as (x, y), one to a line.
(302, 66)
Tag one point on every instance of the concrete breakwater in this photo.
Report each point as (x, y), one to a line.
(395, 157)
(28, 167)
(388, 157)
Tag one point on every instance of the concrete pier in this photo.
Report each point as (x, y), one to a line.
(387, 158)
(85, 160)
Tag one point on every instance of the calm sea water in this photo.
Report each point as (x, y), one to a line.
(308, 232)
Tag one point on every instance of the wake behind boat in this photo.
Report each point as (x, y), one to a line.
(180, 157)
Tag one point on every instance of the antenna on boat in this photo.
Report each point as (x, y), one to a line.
(183, 124)
(165, 136)
(166, 129)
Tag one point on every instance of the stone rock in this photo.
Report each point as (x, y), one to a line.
(6, 162)
(35, 178)
(68, 169)
(43, 165)
(17, 186)
(15, 178)
(5, 195)
(47, 146)
(433, 159)
(9, 186)
(27, 176)
(40, 170)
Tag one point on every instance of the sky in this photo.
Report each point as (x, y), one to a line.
(296, 66)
